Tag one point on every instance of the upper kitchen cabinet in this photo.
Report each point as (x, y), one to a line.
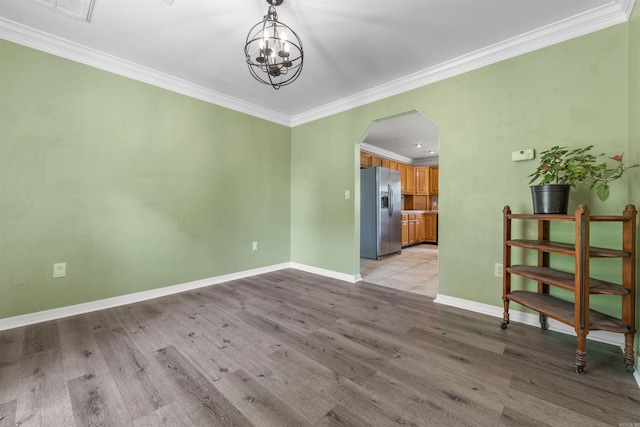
(368, 160)
(433, 180)
(422, 180)
(426, 180)
(365, 159)
(407, 179)
(411, 179)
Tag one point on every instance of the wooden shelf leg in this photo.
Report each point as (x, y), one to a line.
(581, 355)
(505, 316)
(628, 352)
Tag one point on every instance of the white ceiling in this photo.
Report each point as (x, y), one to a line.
(407, 137)
(356, 51)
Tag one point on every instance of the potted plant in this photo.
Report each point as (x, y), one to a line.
(561, 168)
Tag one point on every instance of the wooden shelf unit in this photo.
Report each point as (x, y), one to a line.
(576, 313)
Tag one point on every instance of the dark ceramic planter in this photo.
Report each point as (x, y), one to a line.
(550, 198)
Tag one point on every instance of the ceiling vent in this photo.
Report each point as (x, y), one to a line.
(80, 9)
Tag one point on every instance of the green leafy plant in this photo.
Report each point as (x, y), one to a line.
(560, 165)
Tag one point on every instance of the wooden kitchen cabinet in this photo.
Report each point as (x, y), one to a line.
(413, 228)
(430, 225)
(420, 230)
(365, 159)
(411, 179)
(407, 179)
(420, 203)
(405, 229)
(376, 160)
(422, 180)
(433, 180)
(403, 180)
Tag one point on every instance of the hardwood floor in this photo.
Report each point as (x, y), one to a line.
(293, 349)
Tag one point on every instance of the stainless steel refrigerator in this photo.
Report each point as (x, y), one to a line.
(380, 212)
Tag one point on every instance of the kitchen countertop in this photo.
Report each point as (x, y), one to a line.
(418, 212)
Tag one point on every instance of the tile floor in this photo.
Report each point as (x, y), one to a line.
(414, 270)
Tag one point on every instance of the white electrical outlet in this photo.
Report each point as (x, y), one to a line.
(255, 246)
(59, 270)
(498, 270)
(347, 194)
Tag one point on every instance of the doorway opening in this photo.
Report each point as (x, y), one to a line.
(407, 142)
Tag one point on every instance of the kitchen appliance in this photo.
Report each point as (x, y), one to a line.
(380, 212)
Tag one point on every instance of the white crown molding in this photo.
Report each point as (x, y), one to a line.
(626, 6)
(617, 12)
(88, 307)
(26, 36)
(382, 152)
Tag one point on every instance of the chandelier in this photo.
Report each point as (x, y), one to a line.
(273, 50)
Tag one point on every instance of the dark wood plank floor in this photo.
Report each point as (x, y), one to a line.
(293, 349)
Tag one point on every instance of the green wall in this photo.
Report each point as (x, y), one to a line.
(134, 187)
(634, 133)
(573, 93)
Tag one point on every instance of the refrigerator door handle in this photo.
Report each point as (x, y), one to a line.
(390, 199)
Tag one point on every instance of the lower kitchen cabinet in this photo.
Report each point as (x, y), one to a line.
(419, 228)
(430, 221)
(413, 228)
(405, 229)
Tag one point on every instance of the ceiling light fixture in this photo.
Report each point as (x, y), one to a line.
(418, 145)
(273, 50)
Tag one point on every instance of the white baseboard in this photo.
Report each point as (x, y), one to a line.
(73, 310)
(327, 273)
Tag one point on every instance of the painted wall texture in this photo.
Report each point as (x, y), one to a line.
(634, 133)
(134, 187)
(573, 93)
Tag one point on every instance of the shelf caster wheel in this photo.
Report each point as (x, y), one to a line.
(629, 367)
(503, 325)
(577, 369)
(544, 325)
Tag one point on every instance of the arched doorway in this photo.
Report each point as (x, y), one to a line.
(409, 143)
